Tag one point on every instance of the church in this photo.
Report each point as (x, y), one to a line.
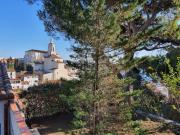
(48, 64)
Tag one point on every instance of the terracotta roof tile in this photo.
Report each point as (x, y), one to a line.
(14, 107)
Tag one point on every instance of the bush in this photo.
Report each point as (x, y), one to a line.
(48, 99)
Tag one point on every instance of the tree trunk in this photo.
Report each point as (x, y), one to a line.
(95, 89)
(131, 88)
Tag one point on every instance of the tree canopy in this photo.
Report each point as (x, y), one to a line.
(139, 24)
(106, 31)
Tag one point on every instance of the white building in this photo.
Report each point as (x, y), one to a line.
(32, 80)
(48, 63)
(16, 84)
(32, 56)
(24, 83)
(12, 74)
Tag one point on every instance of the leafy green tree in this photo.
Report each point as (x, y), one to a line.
(109, 29)
(173, 55)
(29, 68)
(172, 81)
(18, 66)
(48, 99)
(144, 25)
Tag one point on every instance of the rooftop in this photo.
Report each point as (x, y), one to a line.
(40, 51)
(53, 56)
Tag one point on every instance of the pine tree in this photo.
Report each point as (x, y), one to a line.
(106, 30)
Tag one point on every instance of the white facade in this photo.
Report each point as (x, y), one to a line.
(38, 66)
(49, 64)
(33, 56)
(28, 81)
(16, 84)
(31, 80)
(47, 77)
(12, 74)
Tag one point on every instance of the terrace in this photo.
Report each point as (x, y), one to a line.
(12, 119)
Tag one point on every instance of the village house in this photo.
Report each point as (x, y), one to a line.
(24, 82)
(48, 64)
(20, 81)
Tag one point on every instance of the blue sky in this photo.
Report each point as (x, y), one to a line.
(21, 29)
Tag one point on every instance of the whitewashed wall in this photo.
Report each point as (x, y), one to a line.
(32, 80)
(12, 75)
(38, 67)
(13, 125)
(31, 56)
(47, 77)
(49, 63)
(16, 85)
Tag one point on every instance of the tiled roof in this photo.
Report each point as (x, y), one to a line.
(40, 51)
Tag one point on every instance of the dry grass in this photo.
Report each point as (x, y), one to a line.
(156, 128)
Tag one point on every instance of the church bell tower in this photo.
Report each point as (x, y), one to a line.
(51, 48)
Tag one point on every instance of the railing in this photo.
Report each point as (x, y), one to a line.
(15, 121)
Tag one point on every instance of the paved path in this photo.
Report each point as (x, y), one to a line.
(59, 124)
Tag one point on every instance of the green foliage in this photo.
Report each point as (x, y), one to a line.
(48, 99)
(173, 55)
(148, 102)
(135, 125)
(78, 123)
(109, 134)
(172, 79)
(154, 64)
(43, 103)
(29, 68)
(18, 66)
(124, 26)
(81, 102)
(106, 30)
(156, 104)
